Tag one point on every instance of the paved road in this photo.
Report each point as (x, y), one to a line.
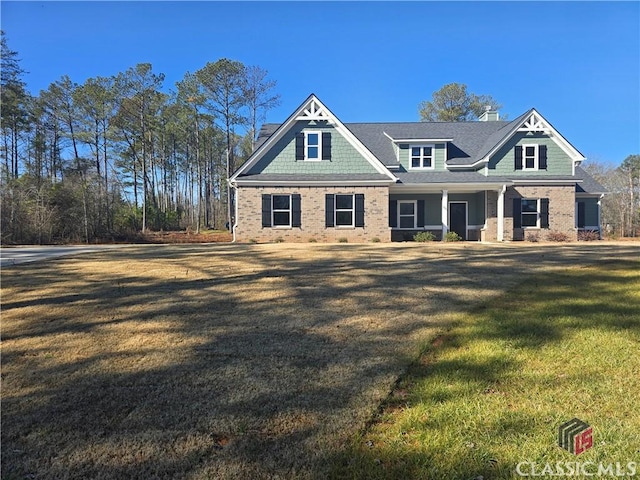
(17, 255)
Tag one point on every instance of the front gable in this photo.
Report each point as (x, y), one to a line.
(312, 143)
(532, 147)
(335, 154)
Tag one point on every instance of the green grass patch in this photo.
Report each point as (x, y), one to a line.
(492, 391)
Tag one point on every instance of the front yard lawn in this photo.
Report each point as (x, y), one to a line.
(490, 392)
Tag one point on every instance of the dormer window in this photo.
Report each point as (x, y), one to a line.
(421, 156)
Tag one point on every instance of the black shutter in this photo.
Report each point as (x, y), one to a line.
(393, 213)
(300, 146)
(296, 211)
(359, 210)
(517, 213)
(518, 157)
(581, 215)
(266, 211)
(420, 222)
(329, 210)
(544, 213)
(326, 145)
(542, 160)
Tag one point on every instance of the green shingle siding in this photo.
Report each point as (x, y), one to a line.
(558, 162)
(475, 206)
(281, 158)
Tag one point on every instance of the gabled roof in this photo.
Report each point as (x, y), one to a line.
(588, 185)
(311, 109)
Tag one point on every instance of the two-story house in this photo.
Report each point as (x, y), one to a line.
(316, 178)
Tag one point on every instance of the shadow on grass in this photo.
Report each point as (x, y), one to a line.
(233, 361)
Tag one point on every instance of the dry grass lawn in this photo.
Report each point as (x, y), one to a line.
(228, 361)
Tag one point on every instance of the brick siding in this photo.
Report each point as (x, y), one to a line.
(376, 217)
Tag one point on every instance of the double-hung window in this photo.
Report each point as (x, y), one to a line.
(531, 212)
(421, 156)
(345, 211)
(281, 210)
(530, 157)
(407, 214)
(313, 145)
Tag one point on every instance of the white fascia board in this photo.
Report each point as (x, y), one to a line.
(477, 163)
(543, 181)
(312, 183)
(450, 187)
(313, 104)
(416, 140)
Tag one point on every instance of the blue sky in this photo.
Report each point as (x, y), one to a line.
(578, 63)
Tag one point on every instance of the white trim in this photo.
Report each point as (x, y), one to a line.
(302, 183)
(536, 156)
(306, 145)
(543, 181)
(415, 214)
(417, 140)
(400, 188)
(444, 214)
(500, 230)
(312, 109)
(422, 157)
(466, 216)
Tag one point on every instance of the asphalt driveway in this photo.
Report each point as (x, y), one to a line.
(17, 255)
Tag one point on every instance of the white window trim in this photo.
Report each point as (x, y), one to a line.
(536, 157)
(306, 145)
(280, 210)
(415, 214)
(537, 226)
(422, 157)
(352, 210)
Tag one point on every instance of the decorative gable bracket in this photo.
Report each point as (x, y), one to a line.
(535, 123)
(315, 111)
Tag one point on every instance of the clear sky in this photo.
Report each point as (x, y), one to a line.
(578, 63)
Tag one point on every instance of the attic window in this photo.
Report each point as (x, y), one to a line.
(313, 146)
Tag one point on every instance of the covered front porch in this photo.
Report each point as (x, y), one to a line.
(475, 214)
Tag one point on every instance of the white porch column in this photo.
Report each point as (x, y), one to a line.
(445, 212)
(599, 216)
(501, 213)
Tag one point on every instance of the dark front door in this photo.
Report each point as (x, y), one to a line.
(458, 218)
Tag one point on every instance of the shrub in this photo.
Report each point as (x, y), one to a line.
(588, 235)
(533, 237)
(375, 240)
(312, 240)
(343, 240)
(557, 237)
(279, 240)
(253, 240)
(452, 237)
(424, 237)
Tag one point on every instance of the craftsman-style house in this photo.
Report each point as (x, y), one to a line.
(314, 177)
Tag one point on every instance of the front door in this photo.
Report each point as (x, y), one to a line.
(458, 218)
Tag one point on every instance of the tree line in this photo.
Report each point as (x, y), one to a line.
(118, 155)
